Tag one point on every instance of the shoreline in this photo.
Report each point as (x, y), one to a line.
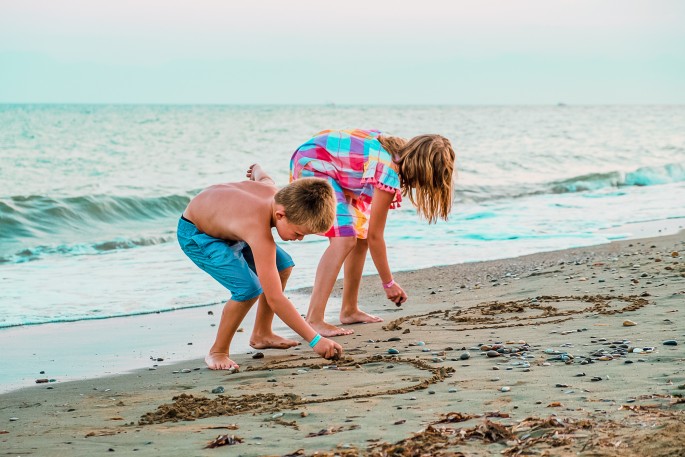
(530, 353)
(175, 335)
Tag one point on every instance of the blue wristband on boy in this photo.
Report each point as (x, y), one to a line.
(314, 340)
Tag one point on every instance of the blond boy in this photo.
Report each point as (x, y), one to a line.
(226, 231)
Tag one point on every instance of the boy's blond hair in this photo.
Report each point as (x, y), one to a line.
(308, 202)
(425, 166)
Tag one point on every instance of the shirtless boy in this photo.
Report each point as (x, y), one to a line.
(226, 231)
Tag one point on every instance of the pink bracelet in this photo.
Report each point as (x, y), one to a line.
(389, 284)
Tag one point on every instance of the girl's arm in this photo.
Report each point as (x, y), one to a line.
(380, 205)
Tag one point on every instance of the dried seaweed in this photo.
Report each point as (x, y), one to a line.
(224, 440)
(497, 314)
(186, 407)
(455, 417)
(325, 431)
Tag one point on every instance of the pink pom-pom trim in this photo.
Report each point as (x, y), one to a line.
(398, 196)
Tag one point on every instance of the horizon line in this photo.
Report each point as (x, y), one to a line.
(335, 104)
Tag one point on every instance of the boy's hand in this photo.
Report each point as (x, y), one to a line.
(328, 349)
(396, 294)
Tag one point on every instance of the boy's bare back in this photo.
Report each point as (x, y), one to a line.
(238, 211)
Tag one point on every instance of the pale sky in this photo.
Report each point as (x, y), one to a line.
(347, 52)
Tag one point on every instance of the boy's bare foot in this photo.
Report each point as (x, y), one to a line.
(271, 341)
(359, 317)
(217, 361)
(326, 329)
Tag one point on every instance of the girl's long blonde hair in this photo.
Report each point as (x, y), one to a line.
(425, 166)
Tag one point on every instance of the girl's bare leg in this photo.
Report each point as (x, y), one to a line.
(263, 336)
(326, 274)
(354, 265)
(233, 314)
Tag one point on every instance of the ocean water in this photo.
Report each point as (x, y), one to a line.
(90, 195)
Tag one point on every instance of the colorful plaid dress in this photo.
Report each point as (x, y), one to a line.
(355, 163)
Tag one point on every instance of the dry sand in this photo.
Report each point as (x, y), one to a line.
(567, 376)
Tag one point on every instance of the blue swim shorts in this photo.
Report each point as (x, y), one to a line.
(229, 262)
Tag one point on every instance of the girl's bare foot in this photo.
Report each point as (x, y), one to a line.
(359, 317)
(271, 341)
(220, 361)
(326, 329)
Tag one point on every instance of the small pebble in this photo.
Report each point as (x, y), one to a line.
(218, 390)
(505, 389)
(670, 343)
(628, 323)
(465, 356)
(393, 351)
(258, 355)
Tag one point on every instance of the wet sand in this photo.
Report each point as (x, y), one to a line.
(576, 352)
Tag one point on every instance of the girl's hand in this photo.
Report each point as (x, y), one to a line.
(396, 294)
(257, 173)
(253, 172)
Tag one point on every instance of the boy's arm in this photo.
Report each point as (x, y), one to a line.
(257, 173)
(264, 254)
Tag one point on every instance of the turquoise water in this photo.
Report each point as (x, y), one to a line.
(90, 195)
